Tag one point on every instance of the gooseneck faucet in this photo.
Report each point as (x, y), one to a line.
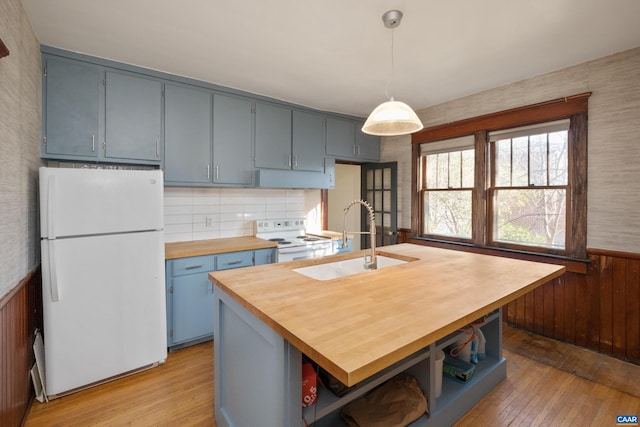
(370, 263)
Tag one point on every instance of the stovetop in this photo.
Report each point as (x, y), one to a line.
(291, 240)
(287, 233)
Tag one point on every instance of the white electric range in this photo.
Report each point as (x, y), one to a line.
(293, 241)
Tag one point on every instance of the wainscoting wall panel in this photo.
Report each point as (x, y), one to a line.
(20, 315)
(599, 311)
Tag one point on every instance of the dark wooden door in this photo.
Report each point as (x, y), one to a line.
(380, 189)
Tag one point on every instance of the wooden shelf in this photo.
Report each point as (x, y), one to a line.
(455, 399)
(327, 402)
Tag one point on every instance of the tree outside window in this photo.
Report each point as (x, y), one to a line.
(530, 188)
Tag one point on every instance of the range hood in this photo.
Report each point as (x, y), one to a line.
(274, 178)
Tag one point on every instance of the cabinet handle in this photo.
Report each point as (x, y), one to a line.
(234, 262)
(357, 150)
(191, 267)
(295, 161)
(354, 149)
(208, 172)
(93, 143)
(157, 148)
(217, 176)
(289, 161)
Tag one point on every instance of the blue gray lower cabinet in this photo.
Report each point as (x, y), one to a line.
(258, 375)
(190, 294)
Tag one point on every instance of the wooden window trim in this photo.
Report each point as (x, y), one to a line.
(4, 50)
(556, 109)
(573, 107)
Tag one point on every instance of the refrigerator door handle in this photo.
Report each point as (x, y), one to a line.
(51, 207)
(53, 272)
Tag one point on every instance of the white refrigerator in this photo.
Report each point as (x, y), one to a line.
(103, 289)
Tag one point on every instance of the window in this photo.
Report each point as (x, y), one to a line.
(511, 180)
(447, 188)
(529, 186)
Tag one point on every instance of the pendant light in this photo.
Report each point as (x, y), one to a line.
(392, 117)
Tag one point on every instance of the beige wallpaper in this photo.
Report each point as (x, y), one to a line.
(614, 140)
(20, 94)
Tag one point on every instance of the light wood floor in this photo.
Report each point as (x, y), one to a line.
(548, 384)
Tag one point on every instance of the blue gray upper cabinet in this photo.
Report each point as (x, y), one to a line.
(308, 139)
(133, 117)
(232, 140)
(273, 136)
(346, 141)
(341, 138)
(187, 133)
(208, 137)
(367, 146)
(71, 98)
(289, 139)
(203, 135)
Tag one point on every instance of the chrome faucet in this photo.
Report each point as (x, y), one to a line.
(370, 262)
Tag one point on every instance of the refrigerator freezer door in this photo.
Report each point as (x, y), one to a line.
(78, 202)
(110, 315)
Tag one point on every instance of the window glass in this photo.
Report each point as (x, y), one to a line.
(533, 217)
(448, 213)
(448, 193)
(558, 158)
(530, 190)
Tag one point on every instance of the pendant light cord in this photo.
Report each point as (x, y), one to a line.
(386, 88)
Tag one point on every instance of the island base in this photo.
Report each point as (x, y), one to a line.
(258, 375)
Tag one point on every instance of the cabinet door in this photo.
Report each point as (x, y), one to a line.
(308, 135)
(232, 140)
(192, 307)
(264, 256)
(273, 137)
(341, 138)
(367, 146)
(133, 117)
(71, 109)
(187, 135)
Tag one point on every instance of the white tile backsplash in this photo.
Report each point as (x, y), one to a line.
(211, 213)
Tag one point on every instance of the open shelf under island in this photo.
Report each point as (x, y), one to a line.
(362, 328)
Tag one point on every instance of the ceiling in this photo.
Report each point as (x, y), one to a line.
(335, 55)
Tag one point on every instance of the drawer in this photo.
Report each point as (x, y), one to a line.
(235, 260)
(196, 264)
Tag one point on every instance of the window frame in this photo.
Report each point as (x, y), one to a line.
(423, 188)
(574, 108)
(493, 188)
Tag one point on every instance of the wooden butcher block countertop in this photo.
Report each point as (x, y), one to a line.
(214, 246)
(357, 325)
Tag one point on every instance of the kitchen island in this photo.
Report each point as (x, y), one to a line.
(362, 328)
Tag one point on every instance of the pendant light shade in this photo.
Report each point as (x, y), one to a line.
(392, 118)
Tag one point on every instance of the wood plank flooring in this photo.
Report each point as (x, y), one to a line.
(179, 392)
(548, 384)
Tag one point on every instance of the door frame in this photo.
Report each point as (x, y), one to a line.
(324, 200)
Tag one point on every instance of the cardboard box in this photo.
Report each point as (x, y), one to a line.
(309, 386)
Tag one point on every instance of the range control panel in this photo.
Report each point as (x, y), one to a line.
(275, 225)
